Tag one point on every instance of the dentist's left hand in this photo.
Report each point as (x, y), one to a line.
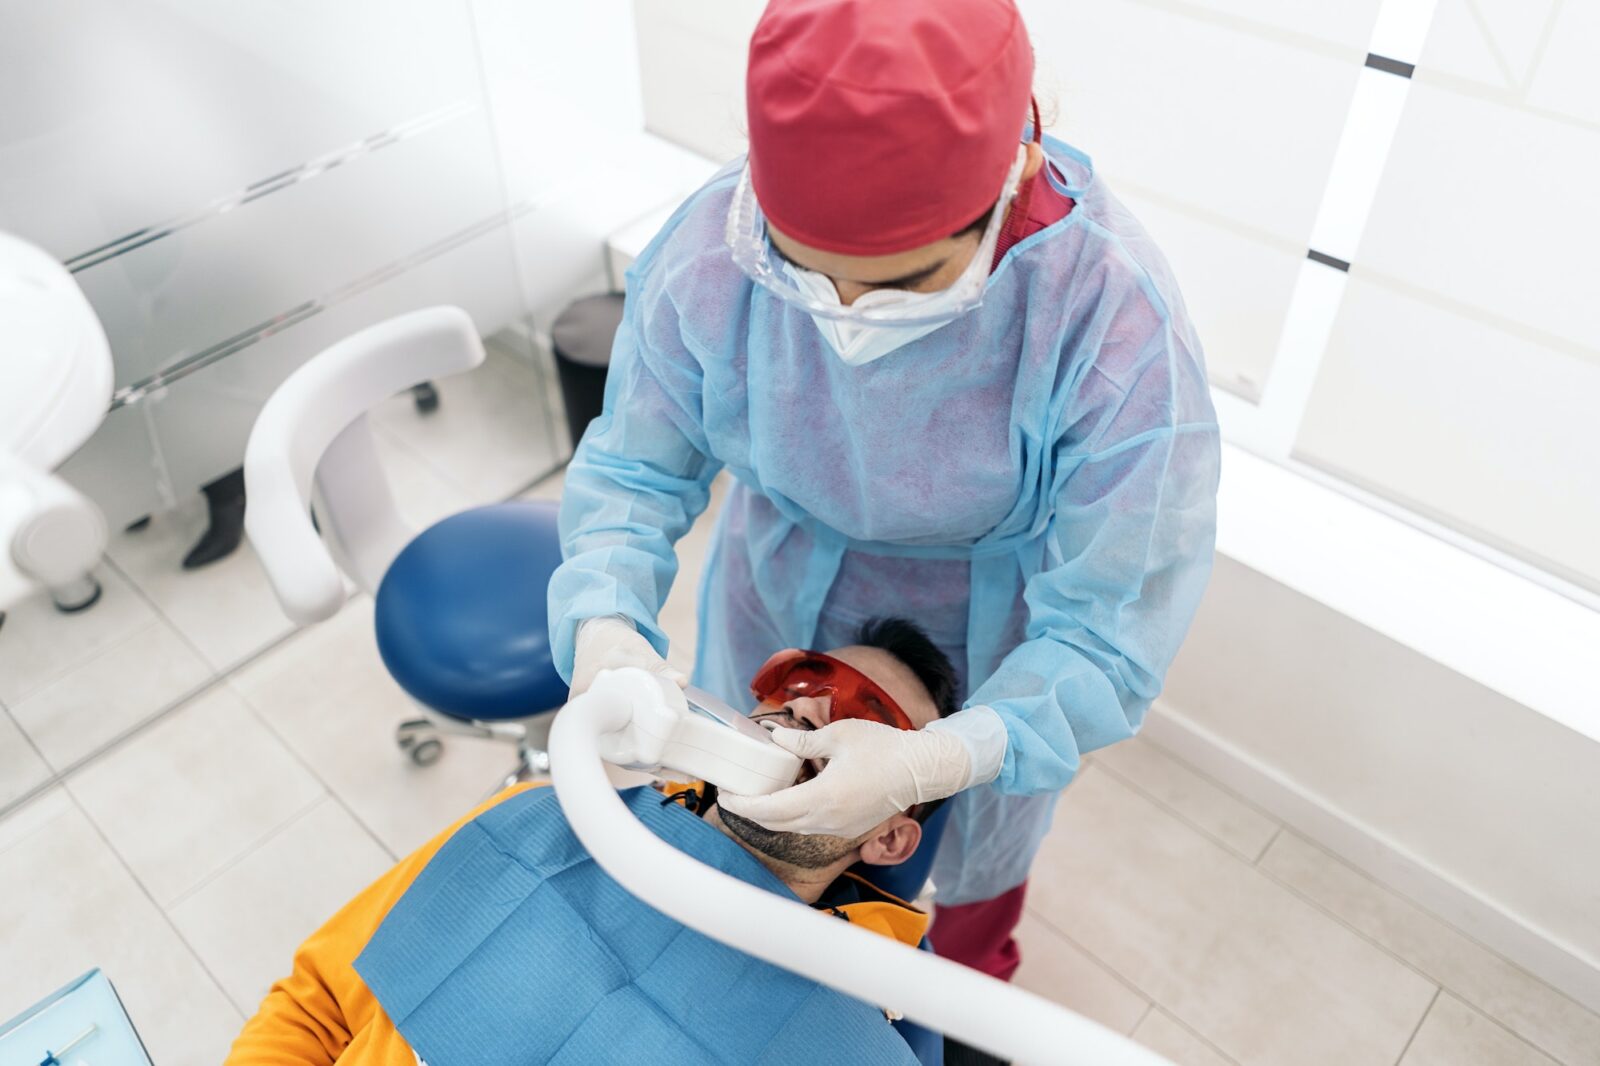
(611, 643)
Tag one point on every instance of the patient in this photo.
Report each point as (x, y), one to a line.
(501, 941)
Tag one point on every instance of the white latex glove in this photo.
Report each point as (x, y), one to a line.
(656, 705)
(873, 771)
(611, 643)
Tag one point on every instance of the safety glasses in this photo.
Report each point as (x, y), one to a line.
(749, 242)
(794, 674)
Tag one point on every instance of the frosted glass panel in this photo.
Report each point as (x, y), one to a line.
(1222, 117)
(1479, 428)
(1464, 372)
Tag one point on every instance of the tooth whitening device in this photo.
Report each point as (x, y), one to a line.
(484, 569)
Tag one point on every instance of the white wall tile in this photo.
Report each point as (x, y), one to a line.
(1481, 428)
(1212, 940)
(1528, 1007)
(1234, 123)
(246, 922)
(71, 906)
(77, 714)
(195, 791)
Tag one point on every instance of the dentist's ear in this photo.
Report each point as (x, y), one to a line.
(893, 842)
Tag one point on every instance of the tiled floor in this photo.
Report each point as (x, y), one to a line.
(192, 856)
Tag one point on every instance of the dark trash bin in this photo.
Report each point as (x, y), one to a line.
(581, 339)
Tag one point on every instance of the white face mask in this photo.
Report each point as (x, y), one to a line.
(858, 344)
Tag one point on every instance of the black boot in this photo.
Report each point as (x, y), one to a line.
(426, 397)
(225, 500)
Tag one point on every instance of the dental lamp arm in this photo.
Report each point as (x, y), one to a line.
(968, 1005)
(312, 435)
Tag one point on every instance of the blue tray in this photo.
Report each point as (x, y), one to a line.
(30, 1037)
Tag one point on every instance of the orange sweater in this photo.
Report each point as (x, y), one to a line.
(323, 1012)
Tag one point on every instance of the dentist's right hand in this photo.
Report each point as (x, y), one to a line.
(611, 643)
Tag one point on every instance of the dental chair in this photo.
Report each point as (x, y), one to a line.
(55, 390)
(459, 606)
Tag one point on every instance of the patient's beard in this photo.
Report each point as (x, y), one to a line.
(807, 851)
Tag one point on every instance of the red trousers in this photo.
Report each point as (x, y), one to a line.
(979, 934)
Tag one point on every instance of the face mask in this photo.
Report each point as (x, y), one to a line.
(859, 344)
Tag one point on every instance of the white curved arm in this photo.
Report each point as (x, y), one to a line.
(945, 996)
(313, 432)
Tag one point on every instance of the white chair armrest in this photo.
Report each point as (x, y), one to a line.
(313, 433)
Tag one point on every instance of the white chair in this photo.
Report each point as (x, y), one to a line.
(460, 606)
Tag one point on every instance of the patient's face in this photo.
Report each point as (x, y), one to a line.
(810, 850)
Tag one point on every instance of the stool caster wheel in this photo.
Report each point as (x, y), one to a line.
(415, 738)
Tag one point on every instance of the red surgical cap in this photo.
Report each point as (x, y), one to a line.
(877, 126)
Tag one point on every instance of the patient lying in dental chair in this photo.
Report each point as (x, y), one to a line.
(501, 941)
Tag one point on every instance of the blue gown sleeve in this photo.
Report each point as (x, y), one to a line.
(639, 478)
(1126, 556)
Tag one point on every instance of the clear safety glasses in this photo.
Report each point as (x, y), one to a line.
(747, 238)
(795, 674)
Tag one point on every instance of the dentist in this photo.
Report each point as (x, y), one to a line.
(954, 380)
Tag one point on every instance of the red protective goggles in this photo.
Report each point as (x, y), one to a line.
(795, 674)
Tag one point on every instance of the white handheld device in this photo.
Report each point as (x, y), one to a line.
(692, 732)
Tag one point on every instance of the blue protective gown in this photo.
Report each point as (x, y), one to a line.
(1033, 483)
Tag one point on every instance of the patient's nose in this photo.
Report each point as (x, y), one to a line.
(811, 710)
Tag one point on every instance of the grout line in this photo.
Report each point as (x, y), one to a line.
(1493, 45)
(1426, 975)
(1105, 767)
(204, 688)
(261, 841)
(1545, 33)
(140, 885)
(312, 770)
(1268, 846)
(1044, 920)
(1192, 1031)
(1149, 1008)
(1437, 992)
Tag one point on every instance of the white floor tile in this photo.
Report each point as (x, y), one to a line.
(71, 906)
(1456, 1035)
(1161, 1034)
(246, 922)
(185, 797)
(422, 494)
(491, 434)
(34, 815)
(226, 610)
(39, 644)
(21, 768)
(1252, 968)
(1057, 969)
(80, 712)
(1201, 802)
(1522, 1003)
(328, 695)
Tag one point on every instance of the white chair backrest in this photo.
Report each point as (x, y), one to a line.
(313, 435)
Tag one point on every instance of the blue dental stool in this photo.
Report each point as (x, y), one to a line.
(462, 627)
